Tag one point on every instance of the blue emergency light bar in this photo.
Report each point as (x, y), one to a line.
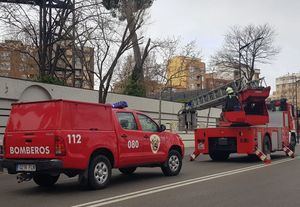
(120, 105)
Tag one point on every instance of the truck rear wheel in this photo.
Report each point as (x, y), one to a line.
(172, 165)
(267, 146)
(293, 143)
(99, 172)
(45, 180)
(219, 155)
(127, 171)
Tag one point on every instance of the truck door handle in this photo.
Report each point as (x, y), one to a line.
(146, 137)
(28, 140)
(124, 135)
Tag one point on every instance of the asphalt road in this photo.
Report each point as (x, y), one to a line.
(237, 182)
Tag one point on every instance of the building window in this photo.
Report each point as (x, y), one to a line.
(78, 83)
(78, 64)
(5, 66)
(5, 56)
(192, 69)
(24, 57)
(59, 73)
(78, 72)
(4, 73)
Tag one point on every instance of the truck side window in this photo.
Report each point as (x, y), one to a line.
(147, 124)
(127, 121)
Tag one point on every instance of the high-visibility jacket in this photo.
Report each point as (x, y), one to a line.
(232, 103)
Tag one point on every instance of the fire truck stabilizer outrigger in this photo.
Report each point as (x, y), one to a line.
(259, 129)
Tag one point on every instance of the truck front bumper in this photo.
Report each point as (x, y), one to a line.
(40, 165)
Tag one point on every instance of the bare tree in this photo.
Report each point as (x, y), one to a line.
(121, 77)
(24, 22)
(245, 47)
(110, 39)
(127, 10)
(86, 24)
(167, 50)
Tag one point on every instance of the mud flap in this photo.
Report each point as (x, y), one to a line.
(263, 157)
(289, 152)
(194, 155)
(83, 178)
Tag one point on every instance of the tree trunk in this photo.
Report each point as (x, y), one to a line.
(100, 93)
(138, 70)
(137, 77)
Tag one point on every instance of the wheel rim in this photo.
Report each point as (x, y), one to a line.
(174, 163)
(101, 172)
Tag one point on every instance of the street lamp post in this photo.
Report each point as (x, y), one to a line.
(240, 53)
(297, 114)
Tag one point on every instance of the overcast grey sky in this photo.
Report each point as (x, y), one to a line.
(206, 21)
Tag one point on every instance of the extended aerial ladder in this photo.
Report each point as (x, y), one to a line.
(215, 98)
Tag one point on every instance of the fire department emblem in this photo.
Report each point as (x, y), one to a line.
(155, 143)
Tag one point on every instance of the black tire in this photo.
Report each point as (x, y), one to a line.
(173, 164)
(99, 173)
(219, 155)
(253, 157)
(267, 145)
(127, 171)
(45, 180)
(293, 143)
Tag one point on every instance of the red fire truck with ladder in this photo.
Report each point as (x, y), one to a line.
(259, 128)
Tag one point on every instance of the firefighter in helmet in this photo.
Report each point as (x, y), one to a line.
(231, 103)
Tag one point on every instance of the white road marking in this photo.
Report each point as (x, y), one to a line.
(157, 189)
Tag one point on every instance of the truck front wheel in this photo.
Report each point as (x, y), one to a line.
(45, 180)
(219, 155)
(172, 165)
(99, 172)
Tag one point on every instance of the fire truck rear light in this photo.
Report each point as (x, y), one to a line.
(201, 145)
(60, 147)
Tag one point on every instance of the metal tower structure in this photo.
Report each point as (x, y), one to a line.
(45, 20)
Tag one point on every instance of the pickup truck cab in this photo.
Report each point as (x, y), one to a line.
(46, 138)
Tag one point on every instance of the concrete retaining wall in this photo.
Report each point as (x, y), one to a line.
(14, 90)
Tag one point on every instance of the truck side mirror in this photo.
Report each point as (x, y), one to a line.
(162, 128)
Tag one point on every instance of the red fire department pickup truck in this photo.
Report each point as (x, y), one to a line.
(44, 139)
